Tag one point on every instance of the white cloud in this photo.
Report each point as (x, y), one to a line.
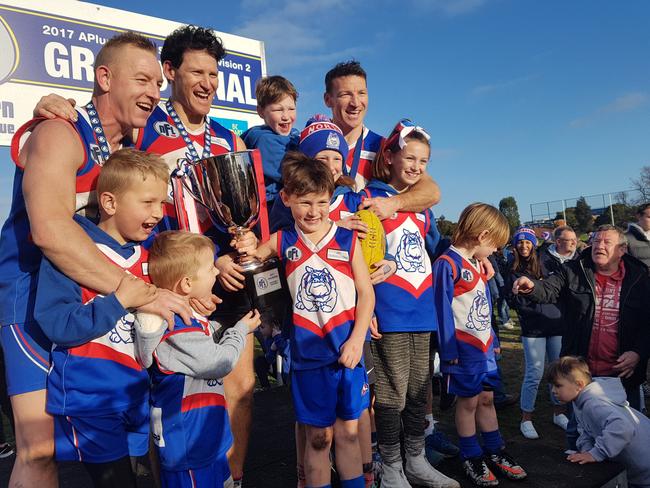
(625, 103)
(502, 85)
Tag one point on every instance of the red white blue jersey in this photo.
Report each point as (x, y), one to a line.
(94, 368)
(189, 417)
(344, 204)
(19, 257)
(463, 311)
(404, 302)
(321, 283)
(370, 146)
(161, 136)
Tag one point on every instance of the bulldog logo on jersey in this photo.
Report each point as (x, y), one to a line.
(478, 317)
(317, 291)
(409, 256)
(123, 331)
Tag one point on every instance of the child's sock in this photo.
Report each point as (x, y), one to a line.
(469, 447)
(492, 441)
(358, 482)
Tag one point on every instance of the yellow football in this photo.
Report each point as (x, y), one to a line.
(373, 246)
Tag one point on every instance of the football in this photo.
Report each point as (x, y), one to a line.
(373, 246)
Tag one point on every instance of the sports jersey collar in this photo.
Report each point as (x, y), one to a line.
(101, 237)
(383, 186)
(322, 243)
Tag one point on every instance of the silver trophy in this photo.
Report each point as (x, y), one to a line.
(226, 187)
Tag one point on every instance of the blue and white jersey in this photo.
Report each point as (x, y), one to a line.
(321, 283)
(463, 312)
(20, 258)
(370, 146)
(94, 370)
(404, 302)
(189, 417)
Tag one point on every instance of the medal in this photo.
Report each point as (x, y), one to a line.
(186, 137)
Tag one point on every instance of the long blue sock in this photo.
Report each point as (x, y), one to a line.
(358, 482)
(492, 441)
(469, 447)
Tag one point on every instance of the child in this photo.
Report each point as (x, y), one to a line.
(609, 428)
(468, 343)
(189, 420)
(404, 313)
(97, 391)
(276, 104)
(332, 306)
(273, 344)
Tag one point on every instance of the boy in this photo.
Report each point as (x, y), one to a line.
(276, 104)
(189, 419)
(96, 390)
(333, 302)
(468, 343)
(609, 428)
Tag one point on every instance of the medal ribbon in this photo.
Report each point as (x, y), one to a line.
(184, 134)
(96, 124)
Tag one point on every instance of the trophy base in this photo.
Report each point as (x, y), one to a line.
(265, 289)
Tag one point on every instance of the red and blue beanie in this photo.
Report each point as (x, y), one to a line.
(524, 234)
(321, 134)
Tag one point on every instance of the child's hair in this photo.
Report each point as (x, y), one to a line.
(191, 38)
(570, 367)
(173, 255)
(380, 168)
(477, 218)
(272, 89)
(125, 166)
(347, 68)
(302, 175)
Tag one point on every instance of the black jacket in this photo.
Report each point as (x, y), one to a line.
(575, 287)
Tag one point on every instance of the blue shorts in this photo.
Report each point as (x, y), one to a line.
(214, 475)
(322, 395)
(102, 439)
(470, 385)
(27, 357)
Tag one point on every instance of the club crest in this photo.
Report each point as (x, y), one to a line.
(317, 291)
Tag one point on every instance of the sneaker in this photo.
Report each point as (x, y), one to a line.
(507, 326)
(561, 421)
(477, 471)
(528, 430)
(438, 441)
(6, 450)
(394, 477)
(504, 464)
(419, 472)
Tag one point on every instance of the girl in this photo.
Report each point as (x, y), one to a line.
(404, 310)
(541, 332)
(468, 343)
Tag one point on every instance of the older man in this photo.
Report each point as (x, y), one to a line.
(562, 250)
(605, 293)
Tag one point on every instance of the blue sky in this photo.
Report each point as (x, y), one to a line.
(541, 100)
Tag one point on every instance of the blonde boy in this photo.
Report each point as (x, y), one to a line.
(97, 391)
(468, 342)
(189, 419)
(609, 428)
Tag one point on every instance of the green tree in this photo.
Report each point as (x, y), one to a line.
(570, 217)
(584, 217)
(445, 227)
(508, 207)
(623, 214)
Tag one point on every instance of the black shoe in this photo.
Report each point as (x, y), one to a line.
(477, 471)
(507, 400)
(503, 463)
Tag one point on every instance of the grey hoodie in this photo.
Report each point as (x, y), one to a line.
(610, 429)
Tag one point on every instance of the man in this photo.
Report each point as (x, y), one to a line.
(638, 235)
(346, 94)
(564, 249)
(177, 129)
(605, 294)
(58, 164)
